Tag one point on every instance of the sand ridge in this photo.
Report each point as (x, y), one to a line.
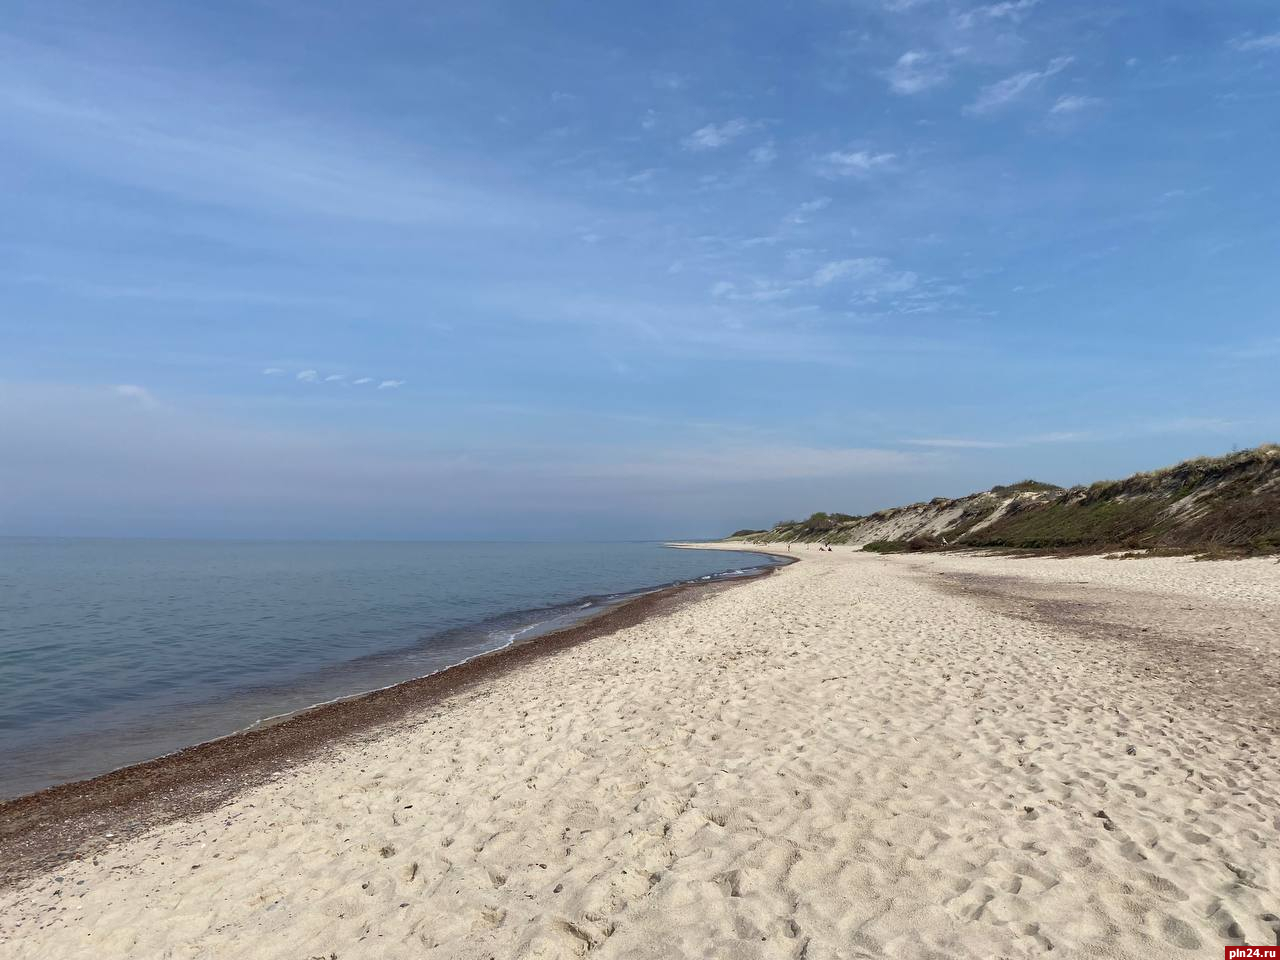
(850, 758)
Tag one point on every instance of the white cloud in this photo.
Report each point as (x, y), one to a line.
(272, 372)
(914, 72)
(1073, 103)
(1182, 193)
(362, 381)
(308, 376)
(861, 279)
(765, 291)
(838, 269)
(1250, 42)
(873, 275)
(136, 393)
(854, 163)
(754, 290)
(391, 384)
(716, 135)
(335, 378)
(803, 213)
(1013, 10)
(1005, 91)
(764, 154)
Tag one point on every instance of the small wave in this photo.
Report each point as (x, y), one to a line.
(512, 636)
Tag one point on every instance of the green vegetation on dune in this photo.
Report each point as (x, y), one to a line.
(1221, 505)
(1025, 486)
(1121, 523)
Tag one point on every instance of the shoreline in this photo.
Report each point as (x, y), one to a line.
(42, 830)
(293, 653)
(902, 756)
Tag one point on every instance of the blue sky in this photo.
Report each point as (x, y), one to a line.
(578, 269)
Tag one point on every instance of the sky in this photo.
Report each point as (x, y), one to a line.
(568, 270)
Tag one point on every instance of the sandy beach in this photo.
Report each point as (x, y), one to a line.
(856, 756)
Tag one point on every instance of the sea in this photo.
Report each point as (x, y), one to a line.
(117, 651)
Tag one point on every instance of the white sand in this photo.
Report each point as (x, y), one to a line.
(842, 760)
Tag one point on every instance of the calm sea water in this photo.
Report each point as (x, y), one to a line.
(117, 651)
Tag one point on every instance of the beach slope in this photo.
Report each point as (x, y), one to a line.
(858, 756)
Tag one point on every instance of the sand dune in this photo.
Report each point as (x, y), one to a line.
(859, 756)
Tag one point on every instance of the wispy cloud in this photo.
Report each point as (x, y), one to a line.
(960, 443)
(764, 154)
(1060, 436)
(1005, 91)
(754, 290)
(1013, 10)
(854, 163)
(160, 129)
(1136, 428)
(862, 279)
(1255, 42)
(642, 178)
(916, 71)
(874, 276)
(1181, 193)
(132, 391)
(716, 135)
(971, 443)
(1073, 103)
(342, 379)
(805, 211)
(669, 81)
(273, 372)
